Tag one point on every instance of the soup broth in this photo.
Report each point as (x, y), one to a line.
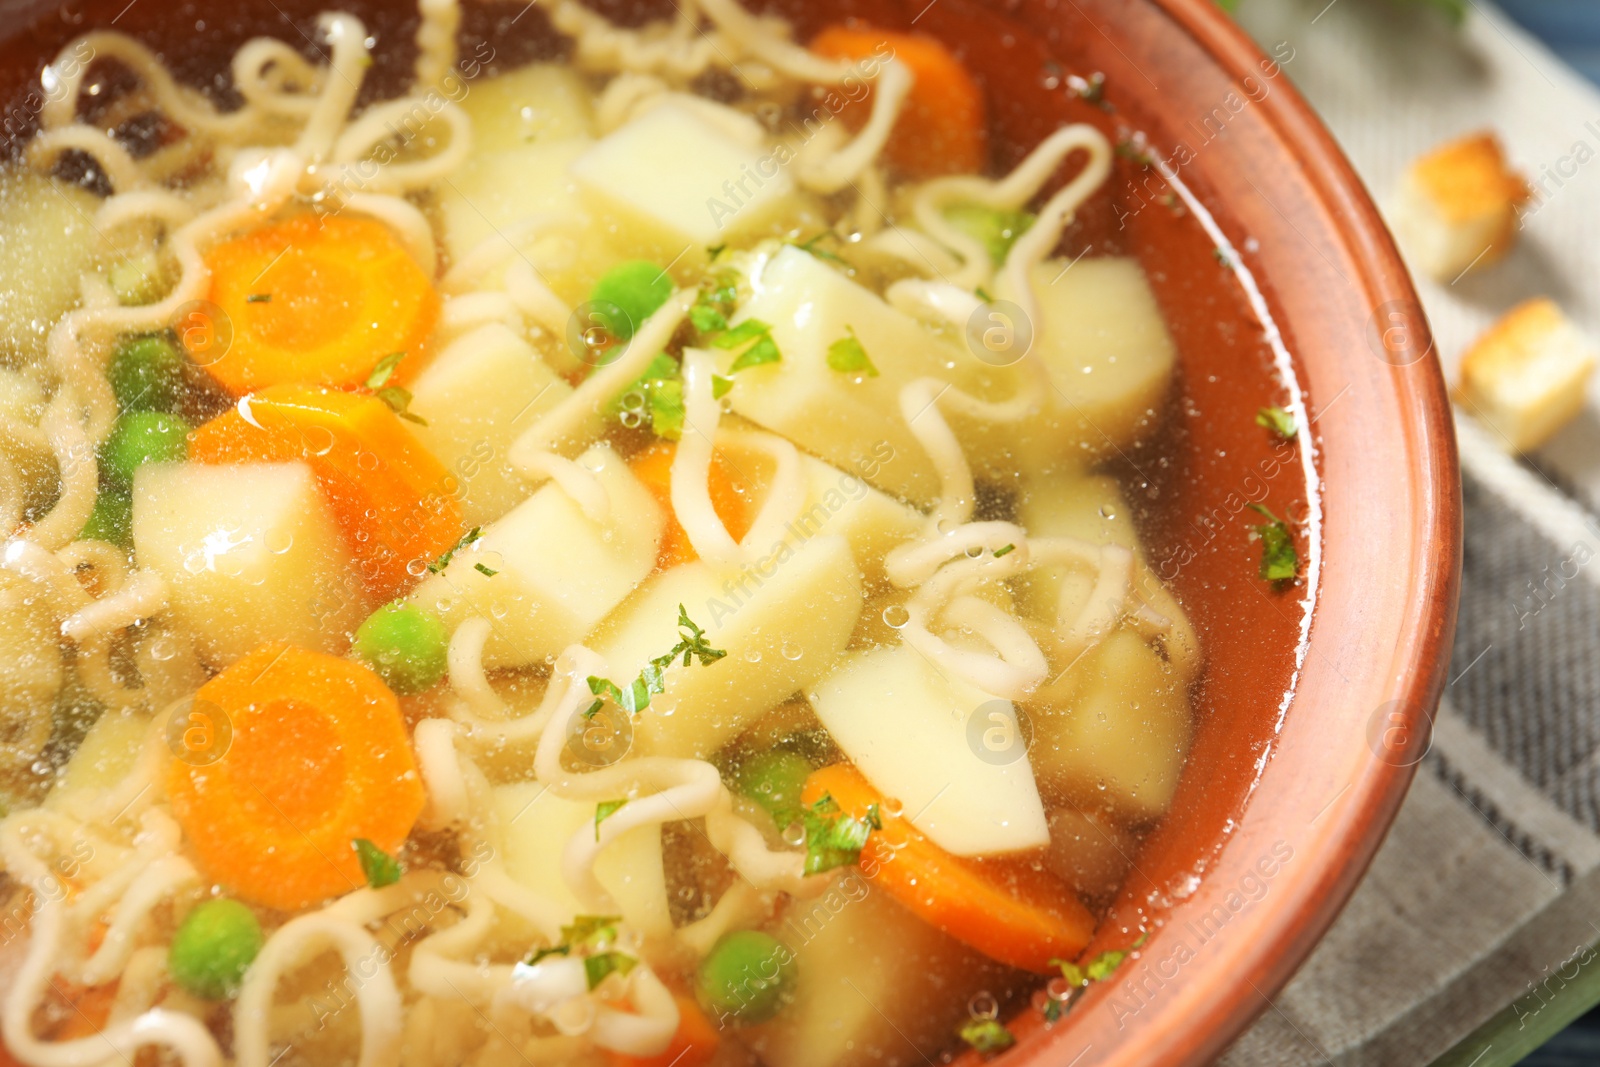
(625, 541)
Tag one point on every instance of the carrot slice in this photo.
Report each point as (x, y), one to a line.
(1005, 910)
(693, 1045)
(730, 499)
(393, 501)
(942, 128)
(318, 758)
(314, 300)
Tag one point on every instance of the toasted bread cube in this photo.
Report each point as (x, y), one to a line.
(1526, 376)
(1457, 207)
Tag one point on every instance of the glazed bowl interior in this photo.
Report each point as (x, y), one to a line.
(1278, 283)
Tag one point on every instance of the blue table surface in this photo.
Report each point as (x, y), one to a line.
(1571, 29)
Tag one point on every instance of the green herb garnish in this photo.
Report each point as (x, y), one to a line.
(466, 539)
(1279, 561)
(258, 298)
(834, 839)
(1004, 551)
(399, 401)
(380, 868)
(848, 357)
(652, 679)
(604, 811)
(598, 967)
(720, 386)
(810, 246)
(384, 370)
(486, 571)
(1099, 968)
(707, 319)
(1278, 421)
(584, 932)
(987, 1036)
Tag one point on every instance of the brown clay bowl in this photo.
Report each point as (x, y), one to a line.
(1315, 702)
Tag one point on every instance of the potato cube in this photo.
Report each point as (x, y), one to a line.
(477, 396)
(495, 190)
(875, 986)
(679, 182)
(250, 554)
(538, 824)
(1457, 208)
(1110, 361)
(544, 573)
(48, 241)
(951, 754)
(1526, 377)
(1090, 508)
(783, 622)
(533, 104)
(1118, 744)
(855, 425)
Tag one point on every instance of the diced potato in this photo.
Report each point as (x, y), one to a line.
(852, 424)
(1090, 508)
(47, 243)
(249, 553)
(839, 502)
(1110, 360)
(103, 759)
(535, 104)
(1089, 853)
(537, 826)
(477, 396)
(495, 190)
(31, 670)
(950, 754)
(1119, 744)
(783, 622)
(875, 986)
(556, 572)
(677, 182)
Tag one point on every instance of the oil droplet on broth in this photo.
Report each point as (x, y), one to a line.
(795, 833)
(983, 1005)
(895, 616)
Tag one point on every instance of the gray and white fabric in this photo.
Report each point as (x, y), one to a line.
(1490, 880)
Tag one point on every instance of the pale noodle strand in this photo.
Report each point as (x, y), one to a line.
(786, 488)
(533, 296)
(756, 38)
(740, 907)
(159, 882)
(441, 773)
(348, 62)
(691, 464)
(296, 943)
(460, 315)
(406, 220)
(1036, 243)
(622, 99)
(915, 562)
(496, 251)
(121, 170)
(831, 173)
(403, 119)
(913, 248)
(265, 69)
(144, 595)
(436, 41)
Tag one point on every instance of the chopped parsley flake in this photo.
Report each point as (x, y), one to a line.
(848, 357)
(380, 868)
(486, 571)
(384, 370)
(720, 386)
(810, 246)
(834, 839)
(258, 298)
(1278, 421)
(652, 679)
(589, 933)
(598, 967)
(1099, 968)
(1004, 551)
(603, 811)
(987, 1036)
(707, 319)
(1279, 561)
(466, 539)
(399, 401)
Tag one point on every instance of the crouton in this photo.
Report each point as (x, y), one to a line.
(1526, 376)
(1457, 208)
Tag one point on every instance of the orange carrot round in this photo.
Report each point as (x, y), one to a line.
(1005, 910)
(394, 502)
(318, 300)
(318, 758)
(943, 127)
(730, 499)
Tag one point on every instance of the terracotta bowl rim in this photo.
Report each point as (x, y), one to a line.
(1268, 950)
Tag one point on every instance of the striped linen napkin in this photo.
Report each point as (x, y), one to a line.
(1487, 891)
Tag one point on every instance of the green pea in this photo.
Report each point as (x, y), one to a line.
(112, 517)
(774, 780)
(213, 948)
(637, 288)
(997, 228)
(147, 374)
(748, 976)
(141, 437)
(407, 645)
